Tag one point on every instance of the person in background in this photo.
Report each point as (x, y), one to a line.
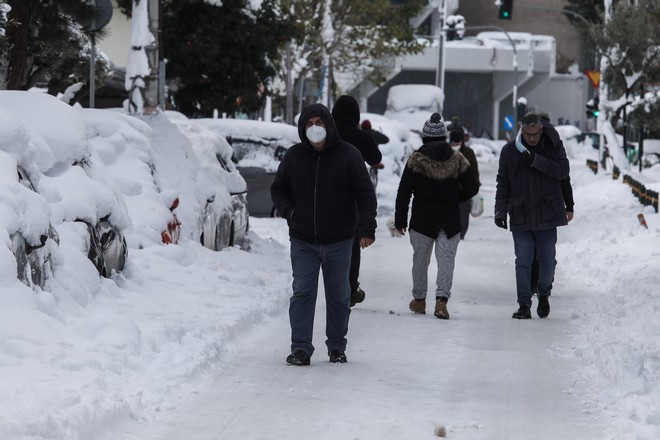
(346, 113)
(529, 191)
(438, 179)
(377, 136)
(457, 142)
(323, 190)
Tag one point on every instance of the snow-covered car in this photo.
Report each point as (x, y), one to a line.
(195, 165)
(85, 206)
(413, 104)
(122, 143)
(258, 149)
(24, 215)
(221, 227)
(402, 141)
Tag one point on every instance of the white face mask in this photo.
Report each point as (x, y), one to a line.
(455, 147)
(315, 133)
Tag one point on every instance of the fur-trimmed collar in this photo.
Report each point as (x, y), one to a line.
(451, 168)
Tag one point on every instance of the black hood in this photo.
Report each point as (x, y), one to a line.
(322, 112)
(346, 111)
(436, 150)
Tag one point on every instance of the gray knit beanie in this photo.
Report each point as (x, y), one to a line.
(434, 127)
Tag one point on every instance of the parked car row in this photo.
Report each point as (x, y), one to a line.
(103, 183)
(258, 148)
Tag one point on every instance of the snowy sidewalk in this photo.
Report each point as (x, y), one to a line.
(480, 375)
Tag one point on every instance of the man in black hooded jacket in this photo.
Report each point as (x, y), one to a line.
(323, 190)
(346, 113)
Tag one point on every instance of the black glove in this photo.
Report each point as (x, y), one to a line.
(528, 158)
(500, 222)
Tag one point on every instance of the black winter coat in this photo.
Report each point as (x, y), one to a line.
(346, 113)
(566, 188)
(472, 159)
(324, 194)
(438, 179)
(532, 195)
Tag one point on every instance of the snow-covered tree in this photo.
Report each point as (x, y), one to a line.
(138, 69)
(628, 40)
(46, 43)
(4, 9)
(360, 35)
(220, 55)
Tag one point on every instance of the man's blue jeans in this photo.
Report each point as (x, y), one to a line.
(524, 243)
(306, 261)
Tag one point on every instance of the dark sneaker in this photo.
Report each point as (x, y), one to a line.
(418, 306)
(441, 308)
(337, 357)
(357, 296)
(298, 358)
(523, 312)
(543, 309)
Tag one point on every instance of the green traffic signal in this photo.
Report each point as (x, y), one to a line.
(506, 7)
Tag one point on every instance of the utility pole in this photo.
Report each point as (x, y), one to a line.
(440, 72)
(289, 85)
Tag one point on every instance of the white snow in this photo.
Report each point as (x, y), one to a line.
(190, 343)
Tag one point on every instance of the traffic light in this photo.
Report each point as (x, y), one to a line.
(506, 8)
(592, 108)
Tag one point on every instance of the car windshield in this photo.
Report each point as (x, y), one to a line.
(256, 151)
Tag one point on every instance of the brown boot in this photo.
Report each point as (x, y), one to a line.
(441, 308)
(418, 306)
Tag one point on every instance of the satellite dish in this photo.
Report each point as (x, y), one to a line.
(103, 15)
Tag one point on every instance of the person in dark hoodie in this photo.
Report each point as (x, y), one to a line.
(346, 113)
(323, 190)
(457, 141)
(439, 179)
(528, 190)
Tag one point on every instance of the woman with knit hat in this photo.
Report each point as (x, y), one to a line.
(439, 179)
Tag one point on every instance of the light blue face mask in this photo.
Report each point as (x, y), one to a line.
(519, 144)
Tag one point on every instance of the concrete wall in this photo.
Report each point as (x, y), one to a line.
(117, 44)
(569, 47)
(563, 98)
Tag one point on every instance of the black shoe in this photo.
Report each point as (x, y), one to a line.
(357, 296)
(543, 309)
(298, 358)
(337, 357)
(523, 312)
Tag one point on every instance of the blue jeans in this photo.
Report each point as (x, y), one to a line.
(306, 261)
(525, 243)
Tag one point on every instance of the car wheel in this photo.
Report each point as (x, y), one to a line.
(224, 234)
(22, 266)
(95, 250)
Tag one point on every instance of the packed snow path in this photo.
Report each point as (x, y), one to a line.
(481, 375)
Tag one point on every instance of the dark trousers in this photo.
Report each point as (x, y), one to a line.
(354, 272)
(526, 244)
(307, 261)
